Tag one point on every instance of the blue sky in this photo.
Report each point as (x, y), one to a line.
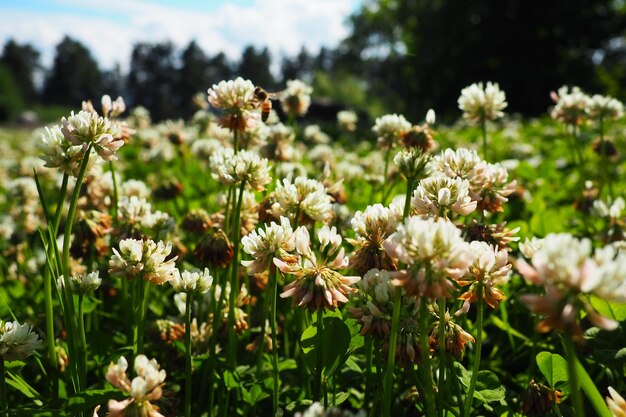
(109, 28)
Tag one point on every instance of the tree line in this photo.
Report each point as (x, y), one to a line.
(401, 56)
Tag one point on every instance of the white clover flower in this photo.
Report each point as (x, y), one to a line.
(145, 387)
(459, 163)
(143, 257)
(276, 240)
(296, 98)
(83, 283)
(235, 94)
(433, 251)
(390, 128)
(347, 120)
(133, 210)
(307, 197)
(192, 281)
(604, 107)
(329, 236)
(413, 164)
(317, 284)
(490, 186)
(58, 152)
(490, 269)
(17, 341)
(230, 168)
(571, 105)
(438, 195)
(237, 100)
(87, 127)
(480, 103)
(565, 267)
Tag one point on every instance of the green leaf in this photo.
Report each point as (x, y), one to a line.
(553, 367)
(609, 309)
(88, 400)
(335, 344)
(231, 379)
(489, 388)
(341, 397)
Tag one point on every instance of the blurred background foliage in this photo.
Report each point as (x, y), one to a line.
(401, 56)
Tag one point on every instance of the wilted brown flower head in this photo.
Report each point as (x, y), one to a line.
(420, 137)
(215, 249)
(494, 234)
(455, 337)
(196, 221)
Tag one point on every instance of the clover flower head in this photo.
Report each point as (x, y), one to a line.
(438, 195)
(86, 127)
(307, 197)
(145, 387)
(371, 228)
(604, 107)
(457, 163)
(489, 270)
(230, 168)
(413, 163)
(482, 102)
(390, 128)
(192, 281)
(17, 341)
(143, 257)
(571, 105)
(566, 268)
(83, 283)
(434, 253)
(275, 240)
(490, 186)
(296, 98)
(317, 283)
(611, 210)
(347, 120)
(236, 98)
(58, 152)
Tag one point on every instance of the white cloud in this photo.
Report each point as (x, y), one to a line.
(281, 25)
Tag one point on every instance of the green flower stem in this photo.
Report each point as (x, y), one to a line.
(425, 369)
(479, 339)
(442, 355)
(83, 342)
(70, 313)
(141, 288)
(457, 388)
(188, 355)
(47, 289)
(59, 208)
(407, 200)
(483, 128)
(391, 352)
(4, 402)
(274, 293)
(234, 281)
(320, 359)
(115, 191)
(572, 373)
